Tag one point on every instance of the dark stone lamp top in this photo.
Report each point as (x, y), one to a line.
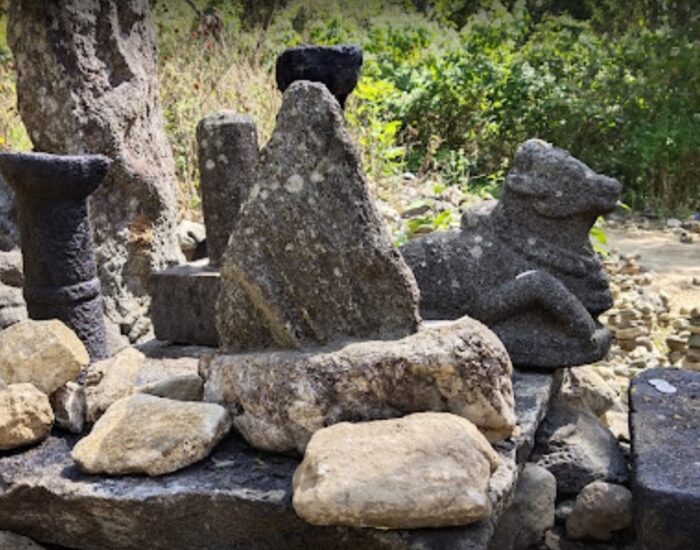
(337, 67)
(43, 175)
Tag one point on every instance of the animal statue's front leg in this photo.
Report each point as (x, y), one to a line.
(532, 290)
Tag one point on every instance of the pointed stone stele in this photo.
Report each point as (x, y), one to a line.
(423, 470)
(309, 260)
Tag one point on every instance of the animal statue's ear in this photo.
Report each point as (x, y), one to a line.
(524, 184)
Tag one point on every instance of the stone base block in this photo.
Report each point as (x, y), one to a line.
(183, 309)
(665, 426)
(236, 498)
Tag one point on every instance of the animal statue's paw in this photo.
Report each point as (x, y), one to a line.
(550, 347)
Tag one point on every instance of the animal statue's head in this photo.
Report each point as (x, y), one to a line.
(557, 185)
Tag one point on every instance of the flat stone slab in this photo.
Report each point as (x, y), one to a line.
(236, 498)
(183, 307)
(665, 428)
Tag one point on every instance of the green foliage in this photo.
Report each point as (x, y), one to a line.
(449, 87)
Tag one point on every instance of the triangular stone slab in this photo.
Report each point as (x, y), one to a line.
(309, 260)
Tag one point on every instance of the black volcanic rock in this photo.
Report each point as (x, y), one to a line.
(338, 67)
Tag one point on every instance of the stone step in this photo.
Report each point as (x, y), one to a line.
(236, 498)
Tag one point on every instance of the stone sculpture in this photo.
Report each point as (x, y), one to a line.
(337, 67)
(87, 81)
(59, 262)
(309, 260)
(525, 267)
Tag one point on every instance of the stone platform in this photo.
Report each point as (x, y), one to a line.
(665, 426)
(236, 498)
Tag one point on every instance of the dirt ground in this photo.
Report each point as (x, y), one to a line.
(675, 263)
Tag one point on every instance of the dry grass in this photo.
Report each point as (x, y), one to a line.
(204, 77)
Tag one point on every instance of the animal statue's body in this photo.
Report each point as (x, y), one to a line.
(525, 266)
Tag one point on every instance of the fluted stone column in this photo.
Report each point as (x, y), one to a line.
(57, 244)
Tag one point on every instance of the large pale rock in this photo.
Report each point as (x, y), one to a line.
(279, 399)
(531, 513)
(87, 81)
(423, 470)
(130, 372)
(600, 510)
(578, 449)
(143, 434)
(309, 260)
(25, 416)
(45, 353)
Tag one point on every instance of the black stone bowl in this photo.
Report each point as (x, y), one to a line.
(54, 176)
(337, 67)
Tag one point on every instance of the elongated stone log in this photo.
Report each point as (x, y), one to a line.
(57, 245)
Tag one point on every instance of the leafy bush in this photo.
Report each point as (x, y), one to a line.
(450, 87)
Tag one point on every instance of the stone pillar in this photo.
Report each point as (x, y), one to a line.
(87, 82)
(60, 275)
(228, 154)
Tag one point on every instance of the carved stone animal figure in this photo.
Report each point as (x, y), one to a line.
(525, 266)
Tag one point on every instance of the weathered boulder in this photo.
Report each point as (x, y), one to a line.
(526, 267)
(44, 353)
(583, 387)
(575, 446)
(13, 308)
(531, 513)
(87, 82)
(143, 434)
(129, 372)
(665, 428)
(25, 415)
(279, 399)
(328, 270)
(337, 67)
(601, 509)
(422, 470)
(68, 404)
